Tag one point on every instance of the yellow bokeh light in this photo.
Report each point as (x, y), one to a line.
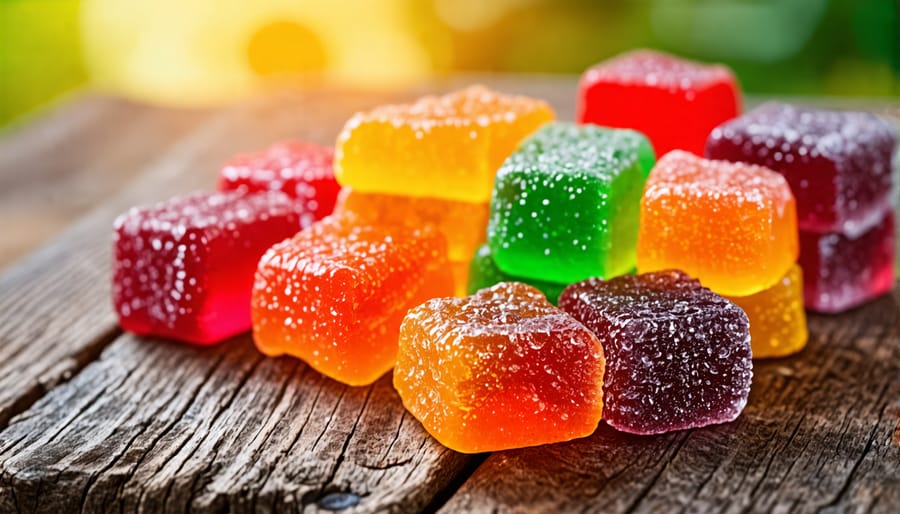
(209, 51)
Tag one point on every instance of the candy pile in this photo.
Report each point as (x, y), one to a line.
(434, 162)
(565, 207)
(483, 193)
(838, 165)
(733, 226)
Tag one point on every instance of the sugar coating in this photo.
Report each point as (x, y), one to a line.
(731, 225)
(500, 369)
(439, 147)
(565, 204)
(484, 273)
(777, 319)
(302, 170)
(677, 355)
(334, 295)
(841, 272)
(657, 69)
(675, 102)
(838, 164)
(183, 269)
(462, 223)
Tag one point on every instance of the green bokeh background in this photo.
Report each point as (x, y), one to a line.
(776, 47)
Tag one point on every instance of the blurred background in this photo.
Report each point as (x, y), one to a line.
(206, 52)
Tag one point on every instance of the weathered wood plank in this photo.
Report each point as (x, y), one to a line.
(58, 168)
(157, 426)
(816, 434)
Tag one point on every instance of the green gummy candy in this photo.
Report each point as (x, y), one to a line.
(566, 203)
(483, 272)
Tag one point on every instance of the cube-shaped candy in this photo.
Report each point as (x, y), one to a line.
(462, 223)
(334, 295)
(777, 318)
(439, 147)
(677, 354)
(566, 203)
(675, 102)
(838, 164)
(299, 169)
(500, 369)
(484, 273)
(733, 226)
(841, 272)
(183, 269)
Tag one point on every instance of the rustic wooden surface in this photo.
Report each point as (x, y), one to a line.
(94, 420)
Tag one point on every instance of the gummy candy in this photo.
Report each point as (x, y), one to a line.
(299, 169)
(840, 272)
(777, 318)
(566, 203)
(334, 295)
(183, 269)
(838, 164)
(731, 225)
(439, 147)
(484, 273)
(500, 369)
(462, 223)
(677, 354)
(675, 102)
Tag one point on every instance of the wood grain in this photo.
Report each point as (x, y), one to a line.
(816, 434)
(154, 426)
(60, 167)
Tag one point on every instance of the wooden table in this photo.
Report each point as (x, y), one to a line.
(94, 419)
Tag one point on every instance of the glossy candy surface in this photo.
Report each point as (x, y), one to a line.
(677, 354)
(838, 164)
(675, 102)
(462, 223)
(334, 295)
(301, 170)
(777, 318)
(733, 226)
(183, 269)
(840, 272)
(500, 369)
(484, 273)
(566, 203)
(438, 147)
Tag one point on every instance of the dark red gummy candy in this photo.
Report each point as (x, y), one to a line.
(183, 269)
(301, 170)
(840, 272)
(838, 164)
(677, 354)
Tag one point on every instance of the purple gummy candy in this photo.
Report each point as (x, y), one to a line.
(838, 164)
(840, 272)
(677, 354)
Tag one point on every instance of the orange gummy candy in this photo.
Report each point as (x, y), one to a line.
(733, 226)
(439, 147)
(335, 294)
(464, 224)
(777, 318)
(500, 369)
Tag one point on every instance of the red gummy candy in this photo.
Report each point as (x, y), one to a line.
(183, 269)
(301, 170)
(674, 102)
